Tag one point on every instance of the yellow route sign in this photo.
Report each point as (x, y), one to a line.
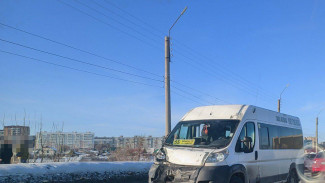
(183, 141)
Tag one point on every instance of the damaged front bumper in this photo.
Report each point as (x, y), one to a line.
(161, 173)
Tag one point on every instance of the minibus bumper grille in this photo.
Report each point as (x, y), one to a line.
(170, 173)
(173, 173)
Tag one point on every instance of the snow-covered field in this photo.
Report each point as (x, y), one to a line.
(76, 172)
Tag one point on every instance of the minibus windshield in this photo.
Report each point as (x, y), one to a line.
(203, 133)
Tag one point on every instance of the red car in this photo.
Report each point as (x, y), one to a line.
(318, 165)
(309, 160)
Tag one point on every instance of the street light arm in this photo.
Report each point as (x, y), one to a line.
(177, 20)
(320, 112)
(284, 90)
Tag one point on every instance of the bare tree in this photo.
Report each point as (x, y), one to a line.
(35, 129)
(41, 140)
(60, 143)
(139, 148)
(24, 117)
(16, 120)
(3, 120)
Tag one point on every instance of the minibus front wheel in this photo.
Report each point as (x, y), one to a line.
(293, 176)
(236, 179)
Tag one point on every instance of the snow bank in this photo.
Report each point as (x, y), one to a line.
(76, 171)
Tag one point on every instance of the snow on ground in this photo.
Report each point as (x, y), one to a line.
(63, 159)
(75, 172)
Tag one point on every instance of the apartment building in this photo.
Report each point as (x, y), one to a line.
(73, 140)
(19, 140)
(149, 143)
(15, 130)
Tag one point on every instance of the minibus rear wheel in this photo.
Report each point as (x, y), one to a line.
(293, 176)
(236, 179)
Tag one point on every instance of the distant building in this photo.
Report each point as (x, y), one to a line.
(111, 141)
(74, 140)
(310, 141)
(149, 143)
(16, 130)
(20, 142)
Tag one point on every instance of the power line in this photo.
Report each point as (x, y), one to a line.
(212, 74)
(188, 98)
(200, 91)
(125, 26)
(104, 14)
(239, 85)
(80, 70)
(93, 54)
(140, 20)
(151, 32)
(80, 61)
(224, 70)
(244, 83)
(132, 22)
(78, 49)
(95, 10)
(188, 93)
(105, 23)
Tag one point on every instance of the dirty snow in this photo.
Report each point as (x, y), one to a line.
(74, 171)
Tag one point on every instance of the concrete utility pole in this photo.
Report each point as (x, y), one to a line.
(279, 100)
(316, 144)
(167, 76)
(167, 85)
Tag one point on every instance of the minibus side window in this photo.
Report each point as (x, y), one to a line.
(240, 145)
(264, 138)
(279, 137)
(247, 131)
(251, 132)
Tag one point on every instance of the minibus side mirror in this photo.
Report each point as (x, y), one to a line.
(247, 141)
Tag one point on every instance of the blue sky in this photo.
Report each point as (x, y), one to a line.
(243, 52)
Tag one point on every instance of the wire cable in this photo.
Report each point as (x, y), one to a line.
(207, 71)
(224, 70)
(80, 61)
(188, 93)
(188, 98)
(78, 49)
(138, 19)
(99, 12)
(176, 82)
(93, 54)
(235, 77)
(105, 23)
(80, 70)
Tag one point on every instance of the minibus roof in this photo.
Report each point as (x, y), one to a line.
(240, 112)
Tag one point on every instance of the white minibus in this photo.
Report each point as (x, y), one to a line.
(230, 144)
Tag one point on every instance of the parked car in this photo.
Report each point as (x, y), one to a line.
(309, 160)
(319, 163)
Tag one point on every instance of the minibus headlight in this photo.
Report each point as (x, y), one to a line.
(215, 157)
(160, 155)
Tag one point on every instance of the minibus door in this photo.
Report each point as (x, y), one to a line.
(245, 149)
